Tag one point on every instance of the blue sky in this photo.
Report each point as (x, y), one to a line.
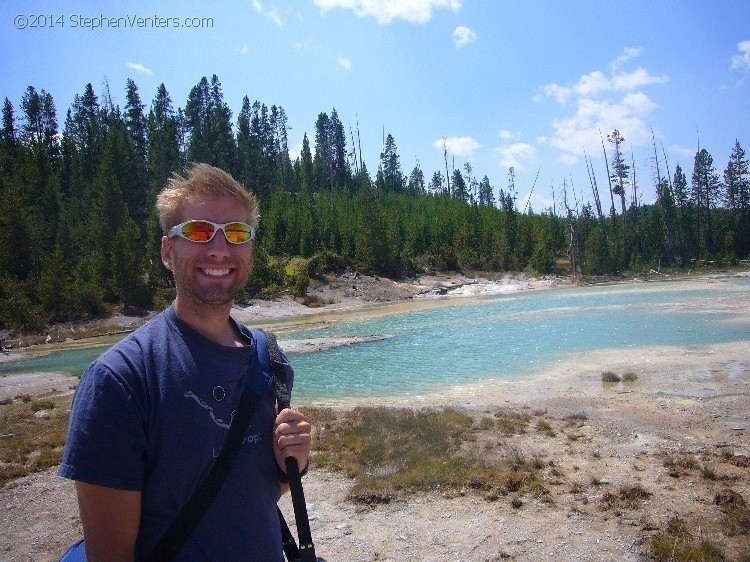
(524, 84)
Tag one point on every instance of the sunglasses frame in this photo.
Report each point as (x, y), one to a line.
(176, 230)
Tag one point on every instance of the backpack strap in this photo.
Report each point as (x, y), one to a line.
(306, 550)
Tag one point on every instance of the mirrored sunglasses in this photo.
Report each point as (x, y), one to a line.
(204, 231)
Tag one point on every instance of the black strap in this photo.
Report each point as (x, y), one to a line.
(288, 544)
(306, 551)
(187, 520)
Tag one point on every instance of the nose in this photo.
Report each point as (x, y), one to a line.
(218, 246)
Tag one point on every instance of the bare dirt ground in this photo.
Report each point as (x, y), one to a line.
(679, 433)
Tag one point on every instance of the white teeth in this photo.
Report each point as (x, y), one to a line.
(216, 272)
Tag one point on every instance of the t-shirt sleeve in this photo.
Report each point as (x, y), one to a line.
(106, 443)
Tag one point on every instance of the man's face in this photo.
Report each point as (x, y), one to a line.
(209, 273)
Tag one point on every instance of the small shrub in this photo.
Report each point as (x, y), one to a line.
(512, 423)
(39, 405)
(632, 496)
(609, 376)
(685, 461)
(543, 426)
(487, 423)
(630, 377)
(708, 473)
(738, 519)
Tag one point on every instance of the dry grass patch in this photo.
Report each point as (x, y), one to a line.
(393, 451)
(33, 435)
(678, 544)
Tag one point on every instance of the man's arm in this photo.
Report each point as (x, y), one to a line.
(110, 519)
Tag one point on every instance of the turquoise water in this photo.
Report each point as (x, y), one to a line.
(512, 336)
(497, 337)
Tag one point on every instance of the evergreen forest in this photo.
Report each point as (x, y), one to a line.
(79, 236)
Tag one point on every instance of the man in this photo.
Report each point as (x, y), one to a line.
(151, 414)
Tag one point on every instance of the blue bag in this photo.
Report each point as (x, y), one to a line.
(76, 553)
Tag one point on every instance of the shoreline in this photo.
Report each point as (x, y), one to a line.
(381, 297)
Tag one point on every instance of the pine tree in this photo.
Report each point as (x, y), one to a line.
(220, 137)
(392, 178)
(306, 169)
(198, 123)
(705, 197)
(486, 196)
(416, 181)
(737, 197)
(437, 184)
(460, 190)
(341, 171)
(323, 161)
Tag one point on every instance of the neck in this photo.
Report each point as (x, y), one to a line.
(210, 321)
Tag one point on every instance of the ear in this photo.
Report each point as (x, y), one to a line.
(167, 252)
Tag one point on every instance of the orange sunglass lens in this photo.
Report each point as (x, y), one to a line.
(198, 231)
(237, 232)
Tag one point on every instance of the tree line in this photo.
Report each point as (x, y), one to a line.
(79, 234)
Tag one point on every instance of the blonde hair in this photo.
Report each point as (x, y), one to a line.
(202, 180)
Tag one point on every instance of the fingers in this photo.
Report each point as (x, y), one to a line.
(292, 437)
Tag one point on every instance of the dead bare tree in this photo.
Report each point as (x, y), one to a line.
(572, 245)
(447, 175)
(665, 200)
(595, 190)
(609, 179)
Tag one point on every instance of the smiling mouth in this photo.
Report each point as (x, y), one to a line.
(216, 272)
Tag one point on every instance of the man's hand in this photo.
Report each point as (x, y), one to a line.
(291, 438)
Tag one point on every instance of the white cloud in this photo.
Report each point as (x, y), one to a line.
(518, 155)
(138, 67)
(385, 11)
(505, 134)
(742, 61)
(535, 201)
(627, 54)
(687, 153)
(568, 159)
(271, 14)
(243, 50)
(460, 146)
(581, 131)
(603, 102)
(596, 83)
(345, 63)
(462, 36)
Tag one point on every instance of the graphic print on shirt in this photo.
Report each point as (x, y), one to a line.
(218, 421)
(251, 438)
